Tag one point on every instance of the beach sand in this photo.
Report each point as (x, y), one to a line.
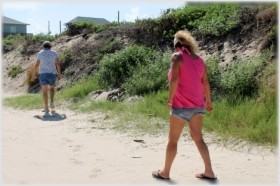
(78, 151)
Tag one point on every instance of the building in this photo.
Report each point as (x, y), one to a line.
(11, 26)
(98, 21)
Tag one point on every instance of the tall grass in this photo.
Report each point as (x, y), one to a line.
(29, 101)
(247, 120)
(80, 89)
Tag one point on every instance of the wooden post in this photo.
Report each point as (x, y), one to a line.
(60, 27)
(118, 16)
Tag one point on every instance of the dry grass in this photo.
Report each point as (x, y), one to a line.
(29, 72)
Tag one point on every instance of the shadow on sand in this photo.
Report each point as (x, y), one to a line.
(52, 116)
(173, 182)
(211, 181)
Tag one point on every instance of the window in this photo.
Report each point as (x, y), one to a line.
(13, 29)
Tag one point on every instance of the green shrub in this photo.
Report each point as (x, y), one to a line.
(116, 68)
(214, 73)
(218, 20)
(272, 34)
(40, 38)
(111, 45)
(65, 59)
(239, 80)
(15, 70)
(82, 26)
(211, 19)
(150, 77)
(12, 42)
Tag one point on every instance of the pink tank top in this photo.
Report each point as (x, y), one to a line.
(190, 90)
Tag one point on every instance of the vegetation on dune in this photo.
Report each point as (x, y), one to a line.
(244, 92)
(15, 70)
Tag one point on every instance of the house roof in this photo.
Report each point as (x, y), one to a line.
(7, 20)
(89, 19)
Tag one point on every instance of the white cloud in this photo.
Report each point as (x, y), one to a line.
(36, 26)
(19, 6)
(134, 14)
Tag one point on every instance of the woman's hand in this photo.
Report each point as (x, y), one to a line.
(169, 105)
(209, 106)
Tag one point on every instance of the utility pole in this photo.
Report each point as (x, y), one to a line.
(118, 16)
(60, 27)
(49, 32)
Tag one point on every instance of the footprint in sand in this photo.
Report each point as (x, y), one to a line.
(67, 140)
(77, 148)
(75, 161)
(94, 173)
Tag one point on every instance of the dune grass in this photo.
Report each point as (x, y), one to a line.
(28, 101)
(246, 119)
(80, 89)
(251, 120)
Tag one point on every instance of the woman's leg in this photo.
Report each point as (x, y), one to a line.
(196, 134)
(176, 127)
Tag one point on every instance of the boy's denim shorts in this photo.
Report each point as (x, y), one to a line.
(186, 113)
(47, 79)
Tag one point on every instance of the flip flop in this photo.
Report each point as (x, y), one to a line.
(203, 176)
(158, 176)
(52, 106)
(45, 110)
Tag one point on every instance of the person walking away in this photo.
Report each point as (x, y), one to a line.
(49, 70)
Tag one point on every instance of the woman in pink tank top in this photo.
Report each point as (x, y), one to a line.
(189, 96)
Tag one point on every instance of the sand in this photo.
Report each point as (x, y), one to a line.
(76, 150)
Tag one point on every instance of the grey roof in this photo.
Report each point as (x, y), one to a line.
(7, 20)
(89, 19)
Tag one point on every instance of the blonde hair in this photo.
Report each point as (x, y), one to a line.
(185, 38)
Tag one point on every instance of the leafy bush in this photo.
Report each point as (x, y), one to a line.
(218, 20)
(272, 34)
(15, 70)
(200, 19)
(116, 68)
(110, 45)
(82, 26)
(239, 80)
(65, 59)
(214, 76)
(12, 42)
(39, 38)
(214, 73)
(150, 77)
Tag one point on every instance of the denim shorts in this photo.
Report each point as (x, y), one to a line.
(47, 79)
(186, 113)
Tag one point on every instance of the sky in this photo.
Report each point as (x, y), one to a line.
(39, 13)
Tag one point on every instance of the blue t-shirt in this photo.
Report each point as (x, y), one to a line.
(47, 60)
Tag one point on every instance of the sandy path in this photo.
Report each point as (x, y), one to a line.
(75, 150)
